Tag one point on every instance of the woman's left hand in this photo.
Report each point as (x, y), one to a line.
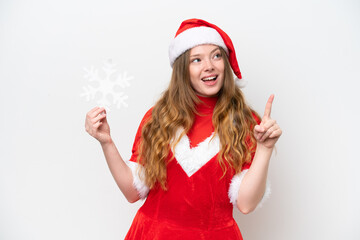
(268, 132)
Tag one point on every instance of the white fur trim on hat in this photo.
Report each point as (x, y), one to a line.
(193, 37)
(140, 185)
(235, 187)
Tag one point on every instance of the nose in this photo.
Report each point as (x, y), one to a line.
(209, 65)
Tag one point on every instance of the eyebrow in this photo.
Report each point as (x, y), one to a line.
(196, 55)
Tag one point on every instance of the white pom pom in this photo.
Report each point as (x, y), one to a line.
(241, 83)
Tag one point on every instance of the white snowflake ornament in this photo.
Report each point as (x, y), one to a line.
(109, 88)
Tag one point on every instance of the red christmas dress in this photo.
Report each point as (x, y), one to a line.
(199, 201)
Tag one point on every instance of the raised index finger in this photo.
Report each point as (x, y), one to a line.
(268, 106)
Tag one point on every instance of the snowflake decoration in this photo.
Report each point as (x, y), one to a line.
(110, 87)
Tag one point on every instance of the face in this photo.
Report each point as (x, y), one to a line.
(206, 69)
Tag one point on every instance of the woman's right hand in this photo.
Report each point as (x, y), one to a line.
(97, 126)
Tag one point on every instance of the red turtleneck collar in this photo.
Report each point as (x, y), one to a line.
(202, 127)
(206, 105)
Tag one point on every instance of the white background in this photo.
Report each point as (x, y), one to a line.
(54, 181)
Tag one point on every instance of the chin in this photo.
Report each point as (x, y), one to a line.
(208, 94)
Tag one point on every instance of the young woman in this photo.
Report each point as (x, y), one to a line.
(199, 150)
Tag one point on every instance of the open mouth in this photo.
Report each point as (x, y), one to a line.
(209, 79)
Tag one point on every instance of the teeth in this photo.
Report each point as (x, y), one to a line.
(209, 78)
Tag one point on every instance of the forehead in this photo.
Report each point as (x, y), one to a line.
(203, 49)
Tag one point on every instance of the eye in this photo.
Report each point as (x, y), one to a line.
(217, 55)
(195, 60)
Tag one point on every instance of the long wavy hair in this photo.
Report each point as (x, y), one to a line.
(232, 119)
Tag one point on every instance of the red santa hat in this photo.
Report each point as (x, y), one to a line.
(194, 32)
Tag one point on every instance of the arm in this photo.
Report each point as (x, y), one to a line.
(253, 184)
(120, 171)
(97, 126)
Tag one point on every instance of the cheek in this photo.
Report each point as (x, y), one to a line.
(222, 70)
(221, 66)
(194, 74)
(193, 69)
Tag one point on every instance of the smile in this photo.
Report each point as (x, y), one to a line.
(212, 78)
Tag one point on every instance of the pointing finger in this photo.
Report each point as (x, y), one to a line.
(268, 106)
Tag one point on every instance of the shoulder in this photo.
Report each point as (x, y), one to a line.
(148, 113)
(147, 116)
(144, 120)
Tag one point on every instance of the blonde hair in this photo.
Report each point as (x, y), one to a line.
(232, 119)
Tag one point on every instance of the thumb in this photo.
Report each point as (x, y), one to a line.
(105, 118)
(259, 128)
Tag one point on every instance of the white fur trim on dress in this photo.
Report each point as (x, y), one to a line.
(193, 37)
(140, 185)
(235, 187)
(192, 159)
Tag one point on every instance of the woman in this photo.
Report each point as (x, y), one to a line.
(200, 150)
